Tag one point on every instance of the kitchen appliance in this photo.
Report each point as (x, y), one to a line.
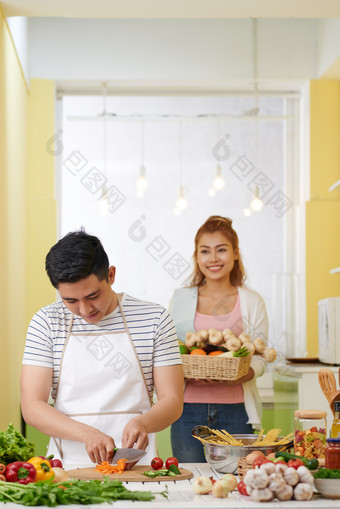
(329, 330)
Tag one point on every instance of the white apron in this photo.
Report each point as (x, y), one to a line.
(101, 383)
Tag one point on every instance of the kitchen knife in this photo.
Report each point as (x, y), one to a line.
(130, 454)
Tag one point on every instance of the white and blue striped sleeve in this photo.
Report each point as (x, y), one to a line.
(166, 352)
(39, 343)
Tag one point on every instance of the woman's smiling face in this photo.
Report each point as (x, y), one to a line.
(215, 256)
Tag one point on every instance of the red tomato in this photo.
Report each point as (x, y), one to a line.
(295, 463)
(242, 488)
(171, 461)
(259, 460)
(157, 463)
(56, 463)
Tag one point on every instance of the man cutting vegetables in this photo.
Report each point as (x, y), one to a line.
(100, 354)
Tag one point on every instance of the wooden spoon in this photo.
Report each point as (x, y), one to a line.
(328, 386)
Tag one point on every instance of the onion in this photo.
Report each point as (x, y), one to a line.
(252, 456)
(60, 475)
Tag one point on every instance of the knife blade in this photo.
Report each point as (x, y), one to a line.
(130, 454)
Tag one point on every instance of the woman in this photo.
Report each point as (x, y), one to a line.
(217, 298)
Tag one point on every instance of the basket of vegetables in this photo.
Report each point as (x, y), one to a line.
(220, 355)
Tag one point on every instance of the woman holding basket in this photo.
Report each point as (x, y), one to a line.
(217, 299)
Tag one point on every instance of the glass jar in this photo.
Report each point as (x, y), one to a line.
(332, 453)
(310, 433)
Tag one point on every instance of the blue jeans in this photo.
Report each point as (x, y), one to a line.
(231, 417)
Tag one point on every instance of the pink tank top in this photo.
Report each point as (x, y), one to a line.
(202, 392)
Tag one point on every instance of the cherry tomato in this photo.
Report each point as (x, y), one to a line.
(56, 463)
(171, 461)
(259, 460)
(157, 463)
(295, 463)
(242, 488)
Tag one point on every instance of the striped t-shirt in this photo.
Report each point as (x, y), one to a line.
(151, 329)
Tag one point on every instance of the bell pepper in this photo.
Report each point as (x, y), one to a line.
(21, 472)
(43, 468)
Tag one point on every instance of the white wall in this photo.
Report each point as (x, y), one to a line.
(172, 51)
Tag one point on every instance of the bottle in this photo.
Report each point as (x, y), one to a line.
(310, 433)
(335, 430)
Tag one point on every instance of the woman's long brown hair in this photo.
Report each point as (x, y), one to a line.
(224, 225)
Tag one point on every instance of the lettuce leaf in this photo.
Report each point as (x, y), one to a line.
(14, 446)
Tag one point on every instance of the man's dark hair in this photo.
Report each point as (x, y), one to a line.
(75, 257)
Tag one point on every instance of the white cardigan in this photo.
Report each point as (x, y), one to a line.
(255, 323)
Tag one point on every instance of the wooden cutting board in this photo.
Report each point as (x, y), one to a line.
(133, 475)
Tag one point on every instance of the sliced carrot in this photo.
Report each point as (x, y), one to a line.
(106, 468)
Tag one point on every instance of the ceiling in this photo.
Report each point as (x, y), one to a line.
(194, 9)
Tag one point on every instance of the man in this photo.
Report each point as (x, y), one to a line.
(101, 354)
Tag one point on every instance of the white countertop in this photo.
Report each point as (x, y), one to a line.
(181, 496)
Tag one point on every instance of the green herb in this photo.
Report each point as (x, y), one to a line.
(162, 472)
(70, 492)
(327, 473)
(242, 352)
(14, 446)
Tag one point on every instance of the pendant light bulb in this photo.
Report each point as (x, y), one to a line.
(142, 182)
(218, 182)
(181, 202)
(256, 203)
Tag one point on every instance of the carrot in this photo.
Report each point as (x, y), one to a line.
(106, 468)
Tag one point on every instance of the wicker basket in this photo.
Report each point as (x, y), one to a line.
(217, 368)
(243, 467)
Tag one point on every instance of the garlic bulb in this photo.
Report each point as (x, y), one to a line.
(276, 482)
(262, 495)
(256, 478)
(303, 491)
(269, 467)
(259, 344)
(202, 485)
(245, 338)
(280, 468)
(291, 476)
(215, 337)
(305, 475)
(191, 339)
(233, 345)
(286, 493)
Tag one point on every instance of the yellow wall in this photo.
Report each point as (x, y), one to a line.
(323, 209)
(27, 213)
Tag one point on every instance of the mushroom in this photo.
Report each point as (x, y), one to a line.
(260, 345)
(250, 347)
(215, 337)
(269, 354)
(228, 334)
(303, 491)
(233, 345)
(245, 338)
(190, 339)
(203, 335)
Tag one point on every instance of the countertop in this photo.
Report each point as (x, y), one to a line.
(182, 496)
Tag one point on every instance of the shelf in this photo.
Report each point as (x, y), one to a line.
(334, 186)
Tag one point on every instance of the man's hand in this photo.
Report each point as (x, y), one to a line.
(135, 434)
(99, 447)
